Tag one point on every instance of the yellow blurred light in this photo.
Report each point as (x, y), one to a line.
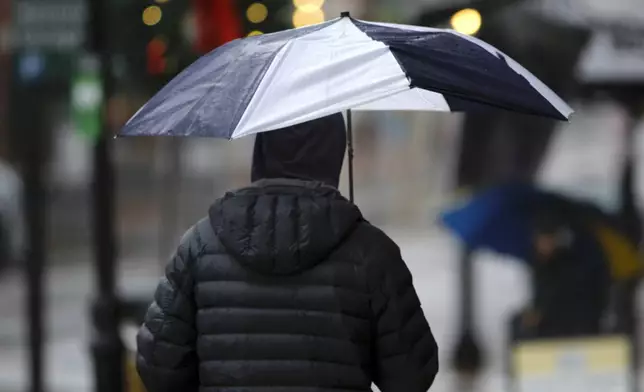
(254, 33)
(162, 1)
(304, 18)
(467, 21)
(152, 15)
(308, 5)
(257, 13)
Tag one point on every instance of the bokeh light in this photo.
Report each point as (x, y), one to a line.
(257, 13)
(157, 46)
(308, 5)
(467, 21)
(304, 18)
(254, 33)
(152, 15)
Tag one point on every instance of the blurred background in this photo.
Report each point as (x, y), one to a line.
(87, 223)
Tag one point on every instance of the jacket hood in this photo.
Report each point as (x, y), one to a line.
(312, 151)
(283, 227)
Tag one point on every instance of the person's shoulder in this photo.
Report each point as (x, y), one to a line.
(198, 240)
(379, 254)
(374, 242)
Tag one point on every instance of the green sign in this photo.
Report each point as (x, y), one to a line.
(87, 99)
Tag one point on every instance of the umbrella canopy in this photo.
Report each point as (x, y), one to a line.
(273, 81)
(503, 218)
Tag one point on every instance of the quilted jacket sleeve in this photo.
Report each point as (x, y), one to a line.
(166, 352)
(406, 354)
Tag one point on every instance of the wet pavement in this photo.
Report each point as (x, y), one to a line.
(432, 257)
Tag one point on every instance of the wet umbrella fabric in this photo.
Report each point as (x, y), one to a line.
(273, 81)
(502, 219)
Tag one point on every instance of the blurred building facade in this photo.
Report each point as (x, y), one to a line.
(402, 163)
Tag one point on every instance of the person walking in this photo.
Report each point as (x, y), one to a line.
(571, 284)
(286, 287)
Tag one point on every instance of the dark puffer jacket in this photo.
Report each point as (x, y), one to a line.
(287, 288)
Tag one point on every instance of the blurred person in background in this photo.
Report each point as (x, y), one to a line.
(571, 286)
(11, 217)
(285, 286)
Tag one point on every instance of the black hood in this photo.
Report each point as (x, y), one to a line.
(282, 227)
(312, 151)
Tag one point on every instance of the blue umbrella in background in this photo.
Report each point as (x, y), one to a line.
(498, 219)
(502, 219)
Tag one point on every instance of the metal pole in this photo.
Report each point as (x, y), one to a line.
(467, 291)
(629, 211)
(5, 66)
(29, 135)
(35, 212)
(468, 356)
(107, 347)
(350, 153)
(632, 218)
(23, 140)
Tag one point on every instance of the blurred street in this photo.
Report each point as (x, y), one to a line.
(69, 290)
(431, 257)
(72, 72)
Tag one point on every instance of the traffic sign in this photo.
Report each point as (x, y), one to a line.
(616, 11)
(614, 57)
(49, 24)
(46, 35)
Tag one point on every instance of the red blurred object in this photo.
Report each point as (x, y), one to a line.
(156, 62)
(217, 23)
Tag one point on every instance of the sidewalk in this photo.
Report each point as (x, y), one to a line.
(432, 257)
(69, 294)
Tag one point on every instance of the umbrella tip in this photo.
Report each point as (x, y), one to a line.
(345, 14)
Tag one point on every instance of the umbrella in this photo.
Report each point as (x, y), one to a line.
(273, 81)
(502, 219)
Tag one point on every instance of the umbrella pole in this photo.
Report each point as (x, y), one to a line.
(350, 152)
